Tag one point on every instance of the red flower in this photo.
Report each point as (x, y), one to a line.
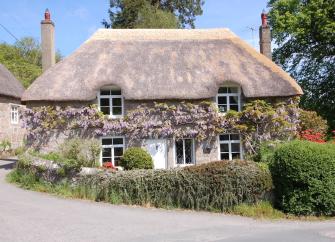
(313, 136)
(108, 165)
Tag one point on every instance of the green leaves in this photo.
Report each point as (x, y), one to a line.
(24, 59)
(153, 14)
(305, 34)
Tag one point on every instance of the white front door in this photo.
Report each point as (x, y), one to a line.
(157, 149)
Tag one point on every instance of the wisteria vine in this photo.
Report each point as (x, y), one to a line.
(258, 121)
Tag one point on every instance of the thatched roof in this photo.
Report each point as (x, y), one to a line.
(162, 64)
(9, 85)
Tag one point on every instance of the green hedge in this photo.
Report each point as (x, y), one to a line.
(304, 178)
(136, 158)
(213, 186)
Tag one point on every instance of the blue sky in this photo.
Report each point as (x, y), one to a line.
(76, 20)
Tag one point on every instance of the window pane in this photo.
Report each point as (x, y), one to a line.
(117, 111)
(107, 141)
(234, 107)
(224, 148)
(188, 151)
(179, 152)
(232, 90)
(224, 137)
(235, 147)
(224, 156)
(117, 161)
(236, 156)
(104, 92)
(104, 102)
(233, 100)
(234, 137)
(106, 160)
(118, 141)
(106, 152)
(105, 110)
(116, 92)
(118, 151)
(222, 100)
(223, 108)
(116, 102)
(223, 90)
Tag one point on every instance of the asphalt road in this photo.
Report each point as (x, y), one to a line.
(32, 216)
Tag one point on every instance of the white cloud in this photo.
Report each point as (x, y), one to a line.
(81, 13)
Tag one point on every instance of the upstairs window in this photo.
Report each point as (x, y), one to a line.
(228, 98)
(111, 102)
(14, 114)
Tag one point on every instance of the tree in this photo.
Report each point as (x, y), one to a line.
(158, 13)
(24, 59)
(304, 31)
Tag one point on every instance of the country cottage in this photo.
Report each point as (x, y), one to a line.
(130, 73)
(11, 91)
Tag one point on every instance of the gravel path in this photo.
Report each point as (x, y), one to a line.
(32, 216)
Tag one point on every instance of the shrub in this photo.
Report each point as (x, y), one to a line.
(310, 120)
(85, 151)
(212, 186)
(304, 178)
(19, 150)
(136, 158)
(5, 145)
(266, 151)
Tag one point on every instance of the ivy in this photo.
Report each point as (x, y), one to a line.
(259, 121)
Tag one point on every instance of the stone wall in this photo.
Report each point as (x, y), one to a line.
(8, 131)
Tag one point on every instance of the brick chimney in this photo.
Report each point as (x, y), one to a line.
(265, 37)
(48, 41)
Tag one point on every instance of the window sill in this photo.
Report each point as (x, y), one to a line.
(114, 116)
(184, 165)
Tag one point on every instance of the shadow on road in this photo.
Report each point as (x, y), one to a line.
(8, 165)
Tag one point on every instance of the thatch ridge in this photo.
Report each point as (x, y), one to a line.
(9, 85)
(162, 64)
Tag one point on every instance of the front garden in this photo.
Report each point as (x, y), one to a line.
(291, 173)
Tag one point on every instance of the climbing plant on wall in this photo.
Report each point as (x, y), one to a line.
(259, 121)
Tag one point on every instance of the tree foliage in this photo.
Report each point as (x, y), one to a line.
(304, 31)
(153, 13)
(23, 59)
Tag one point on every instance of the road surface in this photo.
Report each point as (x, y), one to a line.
(32, 216)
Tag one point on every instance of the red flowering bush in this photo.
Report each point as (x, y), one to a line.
(108, 165)
(313, 136)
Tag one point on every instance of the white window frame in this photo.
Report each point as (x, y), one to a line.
(112, 147)
(110, 97)
(14, 114)
(229, 142)
(227, 95)
(175, 153)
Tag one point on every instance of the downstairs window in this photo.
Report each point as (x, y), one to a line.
(112, 149)
(230, 147)
(184, 152)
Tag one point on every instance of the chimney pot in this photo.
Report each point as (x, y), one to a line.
(264, 17)
(47, 15)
